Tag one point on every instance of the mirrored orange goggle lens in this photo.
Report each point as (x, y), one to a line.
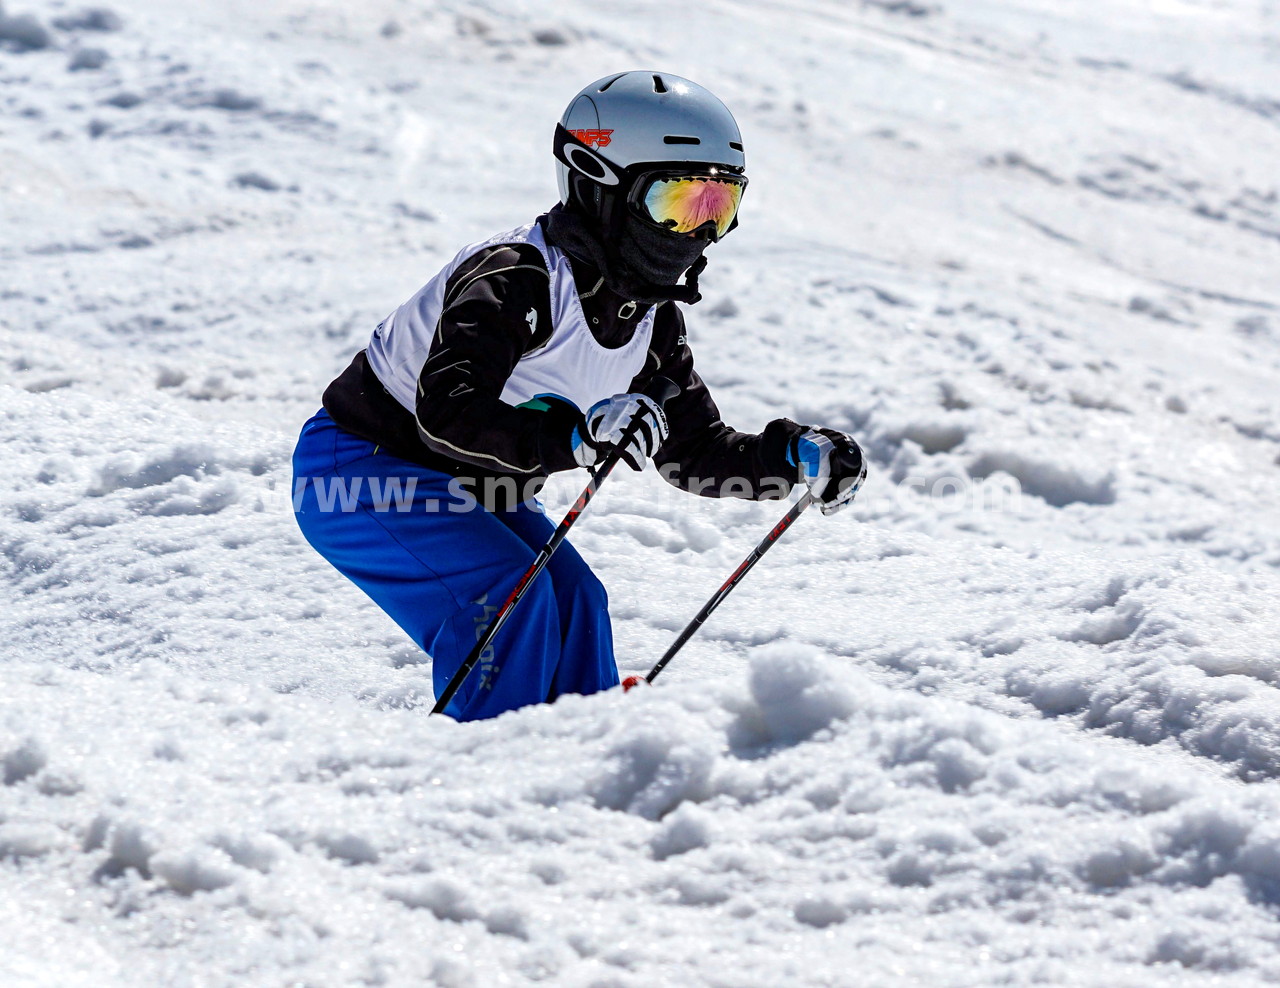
(685, 204)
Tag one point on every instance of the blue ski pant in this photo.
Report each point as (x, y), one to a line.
(441, 566)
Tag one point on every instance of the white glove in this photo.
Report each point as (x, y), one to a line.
(608, 419)
(831, 465)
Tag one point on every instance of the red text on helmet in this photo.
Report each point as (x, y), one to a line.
(593, 138)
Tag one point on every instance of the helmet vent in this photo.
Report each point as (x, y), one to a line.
(676, 139)
(735, 145)
(610, 82)
(658, 85)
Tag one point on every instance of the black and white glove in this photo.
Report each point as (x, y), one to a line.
(831, 465)
(608, 419)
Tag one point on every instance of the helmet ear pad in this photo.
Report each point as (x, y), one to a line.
(587, 195)
(600, 204)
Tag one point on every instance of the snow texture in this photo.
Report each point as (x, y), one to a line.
(1012, 719)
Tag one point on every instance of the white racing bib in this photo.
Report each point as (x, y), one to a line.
(571, 365)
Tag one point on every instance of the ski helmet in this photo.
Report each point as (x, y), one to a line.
(658, 145)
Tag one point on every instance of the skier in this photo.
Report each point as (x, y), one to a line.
(529, 354)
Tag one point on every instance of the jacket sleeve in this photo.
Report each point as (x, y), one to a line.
(702, 454)
(497, 308)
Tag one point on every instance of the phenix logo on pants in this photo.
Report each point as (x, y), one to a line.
(486, 657)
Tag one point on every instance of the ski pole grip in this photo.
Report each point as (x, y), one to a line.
(661, 389)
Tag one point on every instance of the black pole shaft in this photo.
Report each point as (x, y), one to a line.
(726, 588)
(662, 389)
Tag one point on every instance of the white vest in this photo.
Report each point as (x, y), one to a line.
(571, 364)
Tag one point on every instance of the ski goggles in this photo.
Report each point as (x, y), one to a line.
(683, 203)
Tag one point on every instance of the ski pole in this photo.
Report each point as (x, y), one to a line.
(661, 390)
(718, 597)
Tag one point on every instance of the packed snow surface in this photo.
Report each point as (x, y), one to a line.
(1012, 719)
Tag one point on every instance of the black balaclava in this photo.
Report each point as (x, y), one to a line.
(638, 262)
(654, 257)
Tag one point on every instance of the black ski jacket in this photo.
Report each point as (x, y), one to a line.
(484, 328)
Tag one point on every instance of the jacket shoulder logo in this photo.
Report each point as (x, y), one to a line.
(532, 320)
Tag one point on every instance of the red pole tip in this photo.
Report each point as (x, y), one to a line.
(631, 681)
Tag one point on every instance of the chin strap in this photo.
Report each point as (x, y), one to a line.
(687, 293)
(690, 286)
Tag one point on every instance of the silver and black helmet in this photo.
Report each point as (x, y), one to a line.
(627, 139)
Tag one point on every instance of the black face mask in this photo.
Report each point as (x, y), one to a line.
(640, 263)
(655, 257)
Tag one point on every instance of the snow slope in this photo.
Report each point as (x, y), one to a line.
(1013, 719)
